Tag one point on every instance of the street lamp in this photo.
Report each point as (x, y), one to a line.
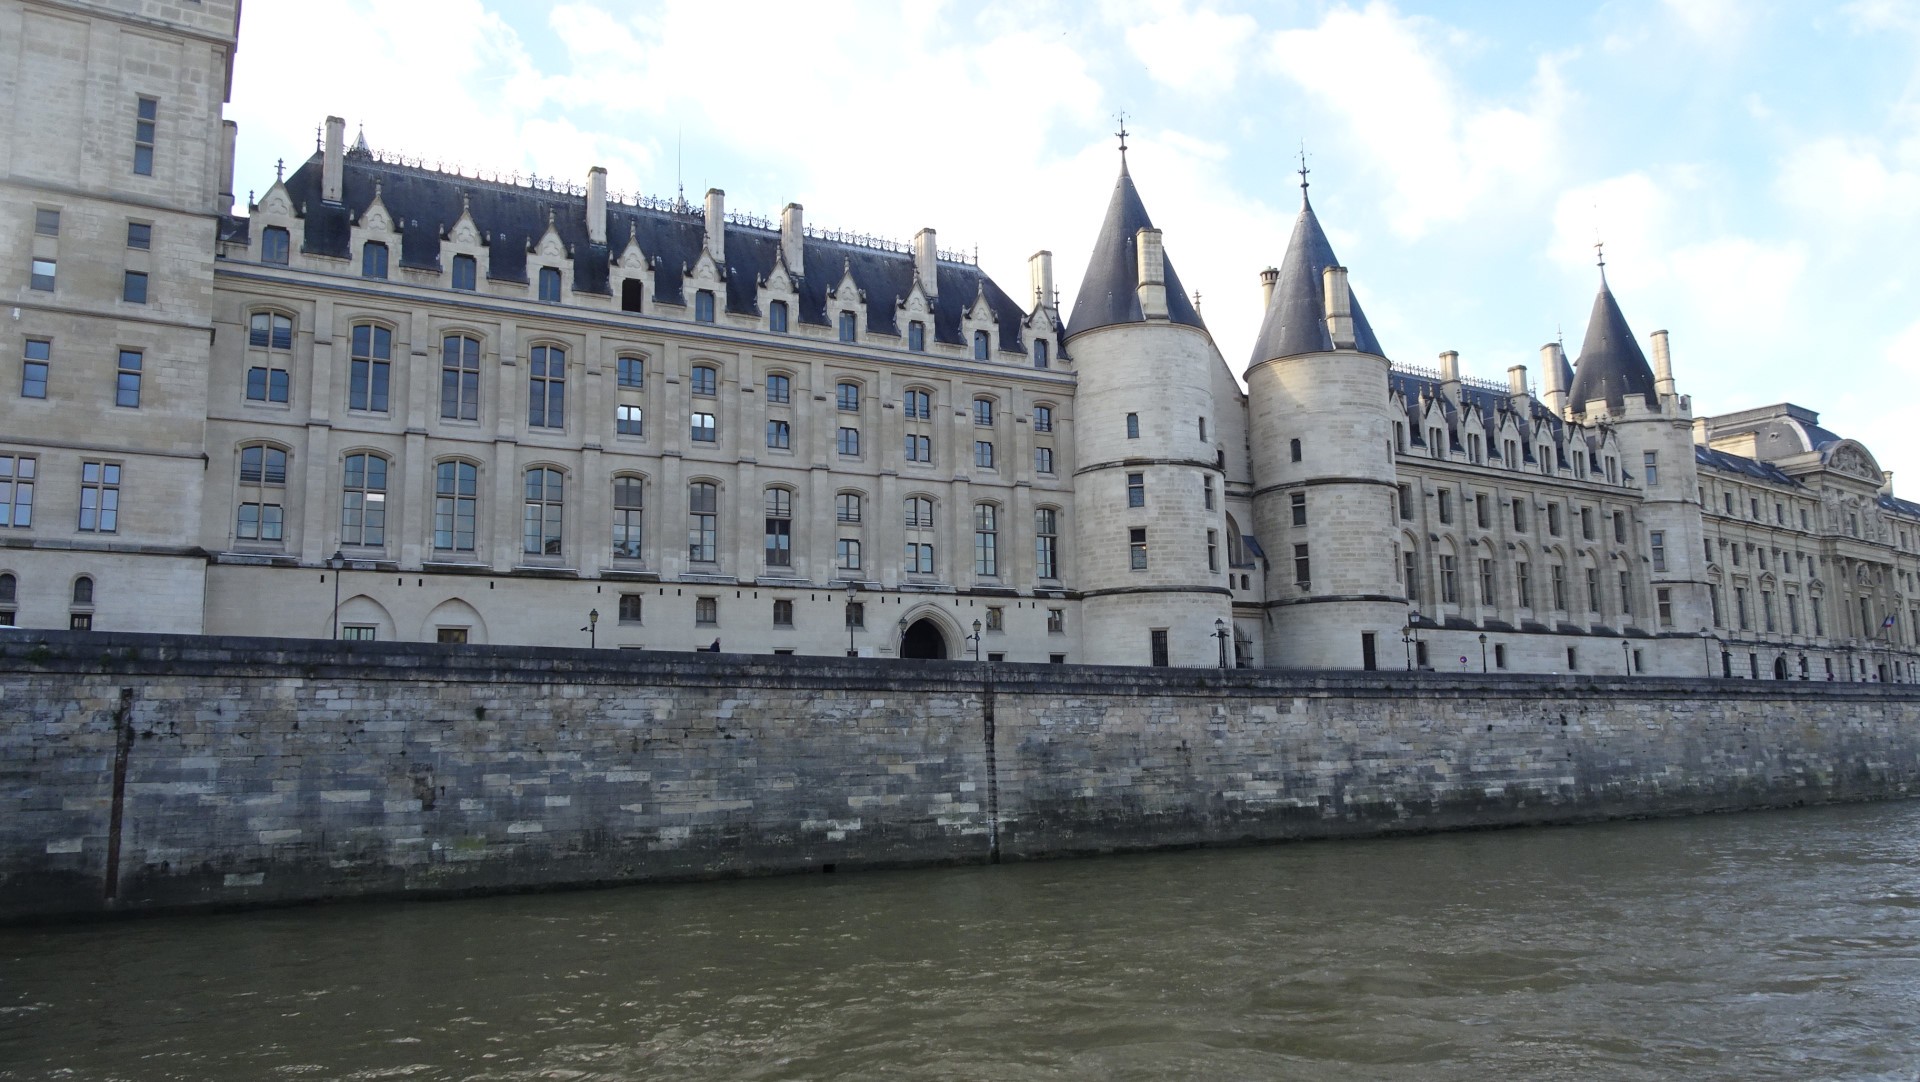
(1706, 645)
(1626, 658)
(1483, 651)
(338, 562)
(975, 640)
(593, 619)
(852, 592)
(1220, 632)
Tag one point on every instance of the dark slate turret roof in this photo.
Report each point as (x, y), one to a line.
(425, 204)
(1110, 290)
(1611, 365)
(1296, 320)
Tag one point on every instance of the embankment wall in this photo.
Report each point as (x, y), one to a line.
(146, 772)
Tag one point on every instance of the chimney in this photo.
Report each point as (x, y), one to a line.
(1268, 279)
(926, 261)
(1554, 359)
(1662, 366)
(1886, 483)
(793, 237)
(1153, 274)
(1450, 375)
(597, 204)
(717, 228)
(1702, 432)
(229, 135)
(333, 164)
(1516, 383)
(1338, 303)
(1040, 269)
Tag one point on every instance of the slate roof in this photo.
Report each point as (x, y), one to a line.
(1296, 319)
(1416, 389)
(1110, 290)
(1611, 366)
(1730, 463)
(425, 204)
(1900, 507)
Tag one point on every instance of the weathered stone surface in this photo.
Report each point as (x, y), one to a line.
(263, 771)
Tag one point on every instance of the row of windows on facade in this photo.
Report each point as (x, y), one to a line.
(44, 270)
(36, 368)
(1518, 513)
(276, 247)
(706, 613)
(1780, 508)
(1558, 597)
(1438, 447)
(79, 617)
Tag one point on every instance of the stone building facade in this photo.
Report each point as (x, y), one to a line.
(396, 403)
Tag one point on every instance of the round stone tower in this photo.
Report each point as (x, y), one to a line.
(1150, 552)
(1325, 491)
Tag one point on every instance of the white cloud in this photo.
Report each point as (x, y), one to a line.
(1194, 51)
(1849, 182)
(1446, 154)
(1713, 22)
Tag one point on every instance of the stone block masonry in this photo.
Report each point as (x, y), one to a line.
(144, 772)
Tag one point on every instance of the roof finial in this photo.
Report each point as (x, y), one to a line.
(1600, 257)
(1122, 133)
(279, 169)
(1303, 171)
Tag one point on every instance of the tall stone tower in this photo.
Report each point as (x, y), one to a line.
(1612, 383)
(1149, 496)
(1323, 472)
(115, 169)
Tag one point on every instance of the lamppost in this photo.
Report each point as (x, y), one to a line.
(1410, 634)
(593, 621)
(852, 592)
(1483, 651)
(1220, 632)
(1706, 645)
(338, 562)
(1804, 675)
(1626, 658)
(975, 640)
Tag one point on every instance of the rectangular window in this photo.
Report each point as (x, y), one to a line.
(1558, 577)
(16, 491)
(782, 613)
(550, 285)
(133, 287)
(628, 494)
(1663, 598)
(849, 326)
(1410, 574)
(1056, 621)
(459, 378)
(1302, 567)
(1620, 527)
(779, 435)
(1658, 540)
(706, 381)
(631, 608)
(778, 546)
(99, 497)
(363, 500)
(986, 541)
(1406, 503)
(1480, 511)
(33, 369)
(847, 442)
(1043, 419)
(1157, 645)
(983, 454)
(919, 448)
(626, 421)
(370, 372)
(1650, 467)
(919, 406)
(996, 618)
(146, 115)
(703, 429)
(777, 317)
(1486, 582)
(1045, 542)
(541, 512)
(275, 245)
(1136, 490)
(1043, 460)
(919, 559)
(1593, 589)
(917, 336)
(373, 260)
(359, 632)
(1039, 353)
(846, 397)
(703, 522)
(1553, 519)
(465, 273)
(44, 271)
(983, 412)
(703, 306)
(1626, 594)
(1213, 550)
(1449, 587)
(1206, 491)
(846, 507)
(1137, 548)
(456, 501)
(126, 391)
(706, 611)
(779, 390)
(1446, 506)
(1586, 523)
(1523, 584)
(1519, 515)
(1297, 502)
(46, 223)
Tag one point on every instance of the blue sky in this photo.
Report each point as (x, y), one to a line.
(1753, 167)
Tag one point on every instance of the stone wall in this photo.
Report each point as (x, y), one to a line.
(143, 772)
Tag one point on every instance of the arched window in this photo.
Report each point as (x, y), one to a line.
(986, 540)
(373, 259)
(465, 273)
(918, 405)
(460, 378)
(269, 342)
(703, 521)
(1043, 418)
(456, 505)
(779, 389)
(706, 380)
(628, 496)
(83, 590)
(632, 372)
(370, 370)
(1046, 530)
(848, 326)
(777, 317)
(846, 507)
(263, 481)
(779, 518)
(983, 412)
(547, 387)
(541, 511)
(1039, 353)
(550, 284)
(846, 397)
(363, 501)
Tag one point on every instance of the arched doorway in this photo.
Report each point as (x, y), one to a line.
(1780, 667)
(924, 641)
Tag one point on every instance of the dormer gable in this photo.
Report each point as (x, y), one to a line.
(463, 231)
(549, 248)
(376, 218)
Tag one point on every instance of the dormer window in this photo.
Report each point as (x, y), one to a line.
(373, 260)
(1040, 353)
(703, 306)
(917, 336)
(777, 317)
(550, 284)
(980, 345)
(632, 294)
(464, 272)
(847, 326)
(274, 245)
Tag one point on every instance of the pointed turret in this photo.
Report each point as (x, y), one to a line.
(1611, 366)
(1110, 290)
(1296, 320)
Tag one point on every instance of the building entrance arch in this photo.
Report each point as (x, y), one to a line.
(1780, 667)
(924, 640)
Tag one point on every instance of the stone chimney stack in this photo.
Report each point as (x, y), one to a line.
(717, 227)
(926, 261)
(333, 163)
(1338, 302)
(1554, 358)
(1040, 269)
(1268, 279)
(1701, 432)
(1886, 483)
(1153, 274)
(229, 136)
(1517, 388)
(597, 204)
(1450, 376)
(793, 238)
(1662, 366)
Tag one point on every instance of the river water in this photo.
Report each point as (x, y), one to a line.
(1767, 945)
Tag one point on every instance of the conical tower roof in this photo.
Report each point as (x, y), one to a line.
(1611, 366)
(1109, 292)
(1296, 320)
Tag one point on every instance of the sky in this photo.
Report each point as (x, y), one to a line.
(1752, 166)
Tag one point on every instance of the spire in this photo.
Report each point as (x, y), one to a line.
(1296, 320)
(1611, 366)
(1303, 175)
(1109, 293)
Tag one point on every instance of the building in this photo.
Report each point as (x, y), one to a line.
(477, 409)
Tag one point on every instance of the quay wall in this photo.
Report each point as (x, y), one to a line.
(147, 772)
